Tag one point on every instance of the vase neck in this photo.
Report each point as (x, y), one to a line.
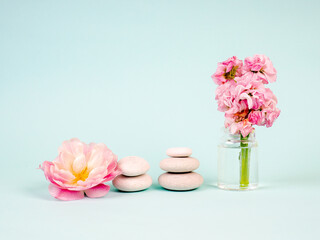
(236, 138)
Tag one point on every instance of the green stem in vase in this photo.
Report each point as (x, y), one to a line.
(245, 161)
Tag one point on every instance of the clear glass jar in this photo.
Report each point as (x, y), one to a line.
(238, 162)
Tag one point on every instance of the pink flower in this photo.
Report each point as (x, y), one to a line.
(227, 70)
(225, 95)
(246, 103)
(270, 99)
(260, 67)
(256, 118)
(271, 116)
(242, 95)
(252, 92)
(80, 169)
(269, 108)
(244, 128)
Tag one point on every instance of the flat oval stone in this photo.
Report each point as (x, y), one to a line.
(180, 181)
(179, 165)
(132, 184)
(133, 166)
(179, 152)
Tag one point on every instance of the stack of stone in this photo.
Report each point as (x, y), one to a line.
(133, 177)
(179, 169)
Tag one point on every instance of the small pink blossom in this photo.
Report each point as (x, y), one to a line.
(242, 95)
(227, 70)
(256, 118)
(271, 116)
(225, 95)
(270, 99)
(80, 169)
(244, 128)
(260, 67)
(252, 92)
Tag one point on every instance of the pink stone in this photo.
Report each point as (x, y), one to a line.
(178, 165)
(133, 166)
(180, 181)
(132, 184)
(179, 152)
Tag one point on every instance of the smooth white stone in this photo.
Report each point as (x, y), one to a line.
(179, 165)
(133, 166)
(132, 184)
(179, 152)
(180, 181)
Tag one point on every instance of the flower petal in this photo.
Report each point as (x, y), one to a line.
(112, 175)
(66, 160)
(64, 194)
(73, 146)
(79, 163)
(97, 191)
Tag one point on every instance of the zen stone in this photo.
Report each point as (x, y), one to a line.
(180, 181)
(179, 152)
(133, 166)
(179, 165)
(132, 184)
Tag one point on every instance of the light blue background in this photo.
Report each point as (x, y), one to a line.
(135, 75)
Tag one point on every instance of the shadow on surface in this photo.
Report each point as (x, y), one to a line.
(119, 192)
(203, 187)
(40, 191)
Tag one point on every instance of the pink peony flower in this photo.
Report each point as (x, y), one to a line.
(81, 169)
(261, 68)
(227, 70)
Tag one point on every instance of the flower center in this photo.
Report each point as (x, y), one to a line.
(260, 71)
(231, 75)
(240, 116)
(82, 176)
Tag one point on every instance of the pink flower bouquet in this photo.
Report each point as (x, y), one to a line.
(245, 100)
(80, 169)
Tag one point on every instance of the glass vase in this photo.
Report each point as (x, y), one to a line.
(238, 162)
